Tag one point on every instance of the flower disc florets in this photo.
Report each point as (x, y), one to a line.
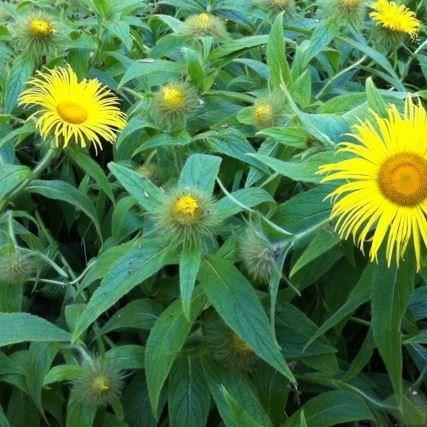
(173, 104)
(186, 217)
(267, 111)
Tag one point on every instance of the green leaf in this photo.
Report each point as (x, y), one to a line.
(238, 414)
(20, 327)
(305, 171)
(129, 356)
(358, 296)
(322, 243)
(92, 169)
(164, 343)
(324, 33)
(374, 98)
(219, 377)
(332, 408)
(11, 176)
(305, 210)
(238, 46)
(188, 400)
(390, 296)
(79, 414)
(129, 271)
(200, 171)
(237, 303)
(140, 188)
(138, 314)
(189, 265)
(276, 60)
(61, 190)
(379, 59)
(242, 199)
(20, 72)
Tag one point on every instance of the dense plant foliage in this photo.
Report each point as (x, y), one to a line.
(213, 212)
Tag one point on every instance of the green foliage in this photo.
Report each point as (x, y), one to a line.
(241, 306)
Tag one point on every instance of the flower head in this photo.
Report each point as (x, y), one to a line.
(173, 104)
(100, 383)
(71, 111)
(258, 254)
(186, 216)
(16, 268)
(226, 346)
(396, 20)
(348, 11)
(384, 186)
(37, 31)
(267, 112)
(204, 24)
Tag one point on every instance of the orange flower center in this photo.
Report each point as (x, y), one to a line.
(403, 179)
(72, 113)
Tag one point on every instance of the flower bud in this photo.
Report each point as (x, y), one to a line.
(100, 383)
(173, 104)
(258, 254)
(186, 217)
(204, 24)
(16, 268)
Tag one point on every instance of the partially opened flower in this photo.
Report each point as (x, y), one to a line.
(347, 11)
(37, 31)
(173, 104)
(394, 21)
(383, 187)
(186, 216)
(72, 111)
(204, 24)
(267, 111)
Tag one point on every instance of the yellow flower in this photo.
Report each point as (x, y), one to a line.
(185, 209)
(385, 183)
(395, 18)
(40, 28)
(68, 110)
(173, 97)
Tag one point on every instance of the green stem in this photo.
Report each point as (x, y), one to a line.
(41, 166)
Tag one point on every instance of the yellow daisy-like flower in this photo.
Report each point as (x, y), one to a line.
(385, 187)
(71, 111)
(395, 18)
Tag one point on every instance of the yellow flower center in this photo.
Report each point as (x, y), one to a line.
(186, 207)
(173, 97)
(263, 112)
(403, 179)
(72, 113)
(101, 384)
(203, 20)
(40, 28)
